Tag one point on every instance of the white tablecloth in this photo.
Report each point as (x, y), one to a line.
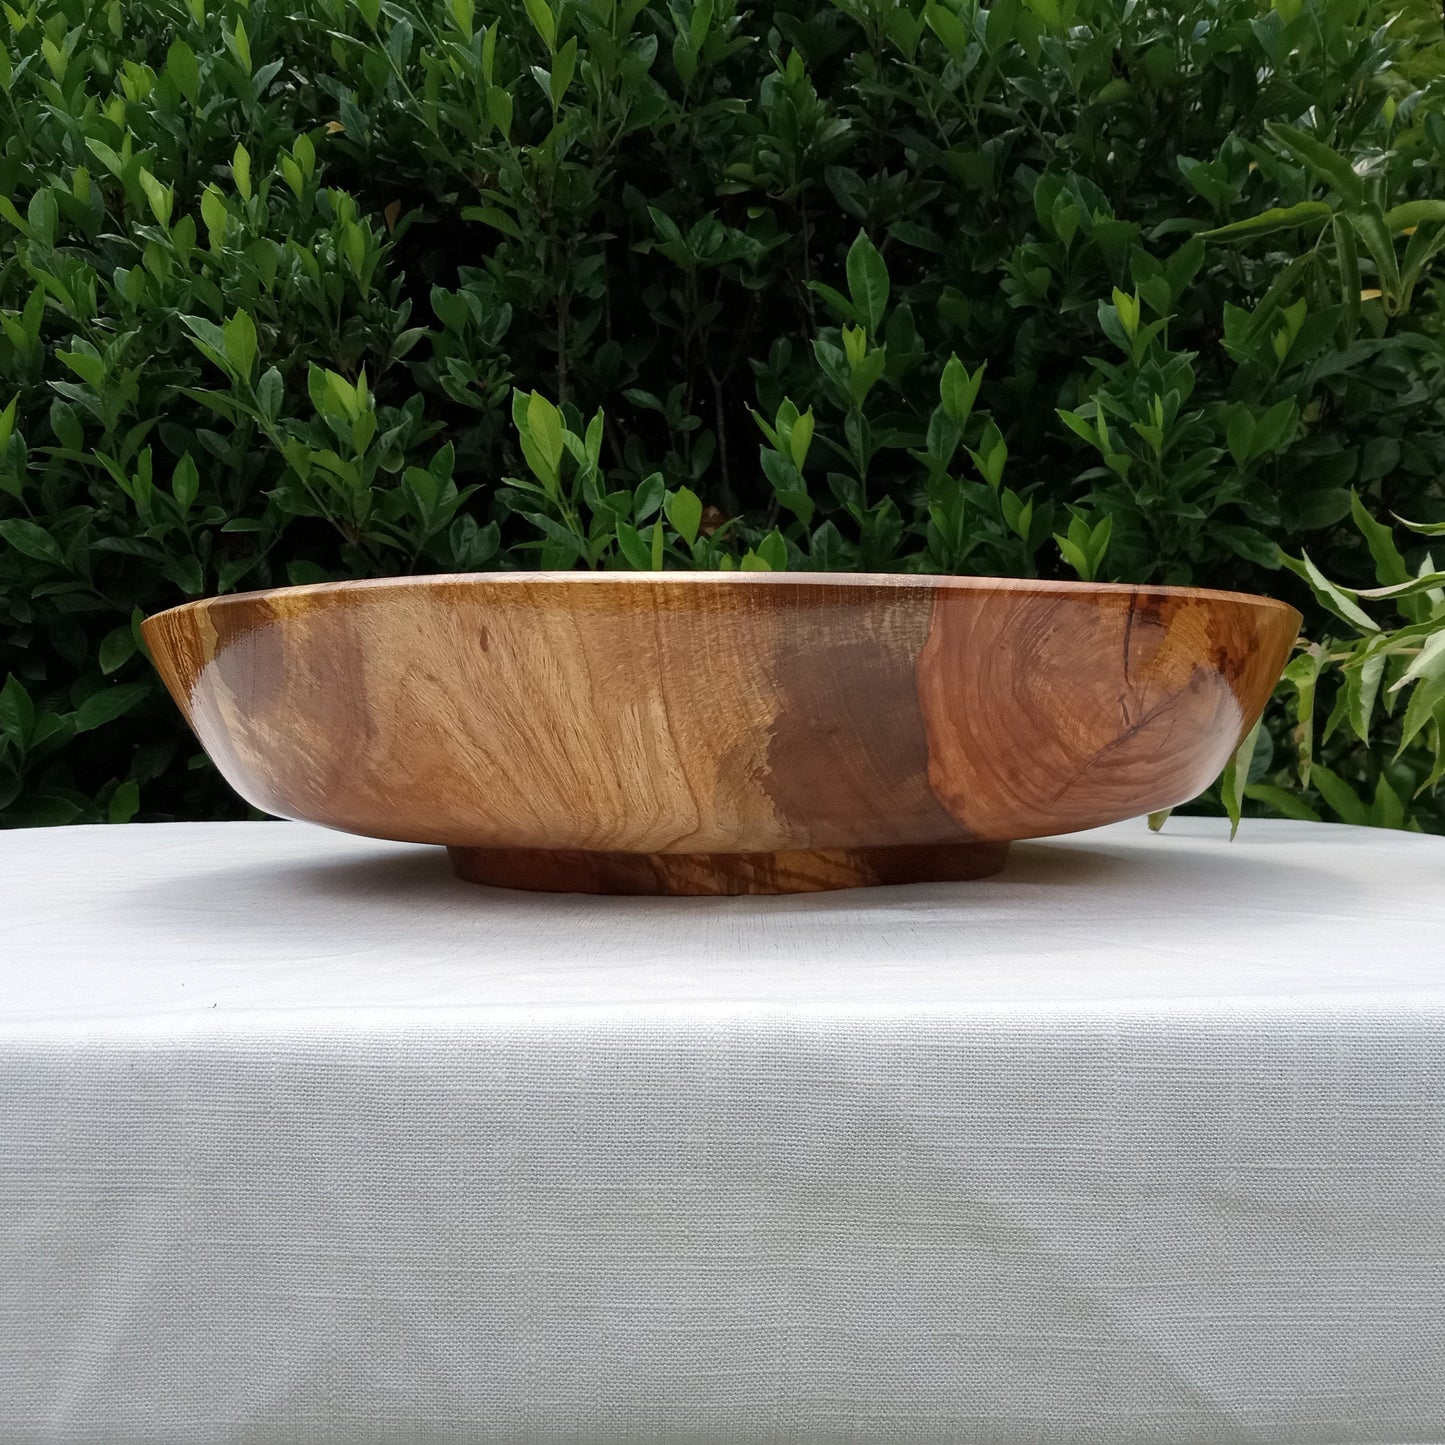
(1142, 1141)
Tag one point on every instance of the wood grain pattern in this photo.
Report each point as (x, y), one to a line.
(816, 870)
(690, 732)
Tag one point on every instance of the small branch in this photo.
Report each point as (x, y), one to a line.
(807, 260)
(561, 350)
(609, 427)
(729, 499)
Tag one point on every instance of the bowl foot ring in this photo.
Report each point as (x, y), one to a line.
(814, 870)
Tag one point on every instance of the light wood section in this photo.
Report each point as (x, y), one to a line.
(810, 719)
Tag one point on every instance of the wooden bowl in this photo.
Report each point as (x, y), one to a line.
(720, 732)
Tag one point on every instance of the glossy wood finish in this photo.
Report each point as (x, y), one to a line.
(816, 870)
(689, 732)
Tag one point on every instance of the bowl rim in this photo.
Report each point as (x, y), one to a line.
(919, 581)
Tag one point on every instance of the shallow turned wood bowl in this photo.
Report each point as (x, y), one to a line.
(720, 732)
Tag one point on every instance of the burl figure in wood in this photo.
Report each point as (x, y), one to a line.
(720, 733)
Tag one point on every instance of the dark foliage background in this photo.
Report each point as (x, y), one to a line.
(339, 288)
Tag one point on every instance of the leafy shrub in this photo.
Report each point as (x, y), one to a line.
(1134, 291)
(1380, 674)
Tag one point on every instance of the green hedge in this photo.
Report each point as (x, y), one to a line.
(1110, 288)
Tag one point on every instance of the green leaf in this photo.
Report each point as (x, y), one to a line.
(958, 391)
(1390, 566)
(544, 427)
(17, 712)
(499, 110)
(66, 426)
(108, 704)
(105, 155)
(1437, 739)
(773, 550)
(1414, 213)
(186, 573)
(1276, 427)
(241, 171)
(491, 216)
(573, 545)
(1282, 801)
(124, 802)
(801, 438)
(241, 45)
(1079, 426)
(1348, 254)
(1277, 218)
(633, 548)
(239, 341)
(564, 67)
(302, 574)
(86, 364)
(399, 42)
(215, 215)
(700, 24)
(839, 302)
(1426, 242)
(1075, 556)
(868, 282)
(797, 501)
(1303, 674)
(1428, 663)
(647, 497)
(684, 511)
(543, 20)
(1340, 796)
(1362, 688)
(1386, 808)
(1426, 582)
(270, 391)
(948, 27)
(42, 214)
(1427, 704)
(1240, 435)
(182, 68)
(1000, 27)
(31, 539)
(1328, 595)
(489, 51)
(1369, 223)
(1048, 11)
(1235, 778)
(1327, 165)
(1158, 820)
(1182, 267)
(41, 811)
(117, 648)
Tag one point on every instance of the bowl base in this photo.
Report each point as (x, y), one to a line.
(813, 870)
